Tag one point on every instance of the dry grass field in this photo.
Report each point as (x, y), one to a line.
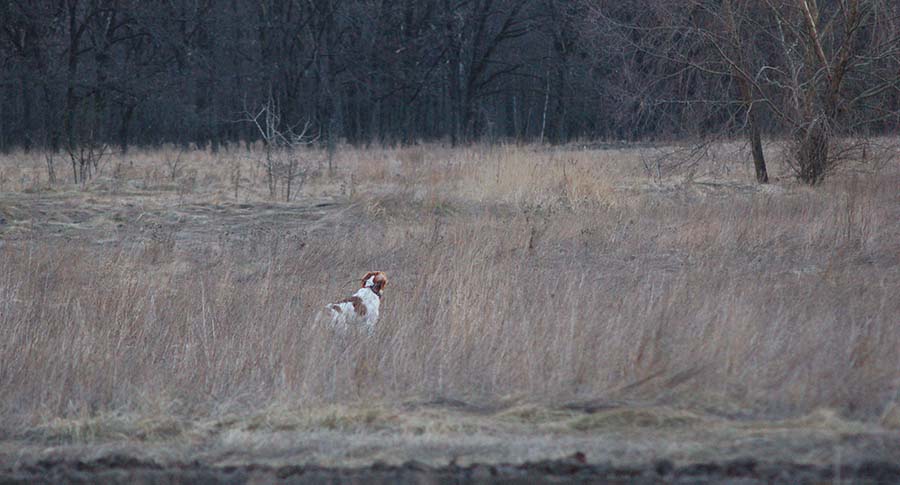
(541, 301)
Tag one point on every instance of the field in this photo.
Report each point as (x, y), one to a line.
(542, 302)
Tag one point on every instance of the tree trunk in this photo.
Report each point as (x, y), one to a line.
(738, 72)
(69, 115)
(51, 125)
(812, 153)
(127, 115)
(71, 100)
(759, 160)
(753, 130)
(26, 114)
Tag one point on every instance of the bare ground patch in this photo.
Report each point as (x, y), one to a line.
(431, 443)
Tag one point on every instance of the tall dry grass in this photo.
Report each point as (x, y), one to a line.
(516, 274)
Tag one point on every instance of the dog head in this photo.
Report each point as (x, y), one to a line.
(376, 280)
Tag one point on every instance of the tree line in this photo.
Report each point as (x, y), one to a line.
(77, 74)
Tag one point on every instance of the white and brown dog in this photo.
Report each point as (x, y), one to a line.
(361, 309)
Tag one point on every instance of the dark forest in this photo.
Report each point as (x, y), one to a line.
(126, 72)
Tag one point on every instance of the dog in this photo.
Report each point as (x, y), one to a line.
(363, 308)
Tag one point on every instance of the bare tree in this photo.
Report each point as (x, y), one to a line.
(837, 59)
(86, 157)
(691, 57)
(283, 143)
(813, 69)
(173, 164)
(474, 32)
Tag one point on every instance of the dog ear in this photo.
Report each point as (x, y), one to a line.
(380, 281)
(366, 278)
